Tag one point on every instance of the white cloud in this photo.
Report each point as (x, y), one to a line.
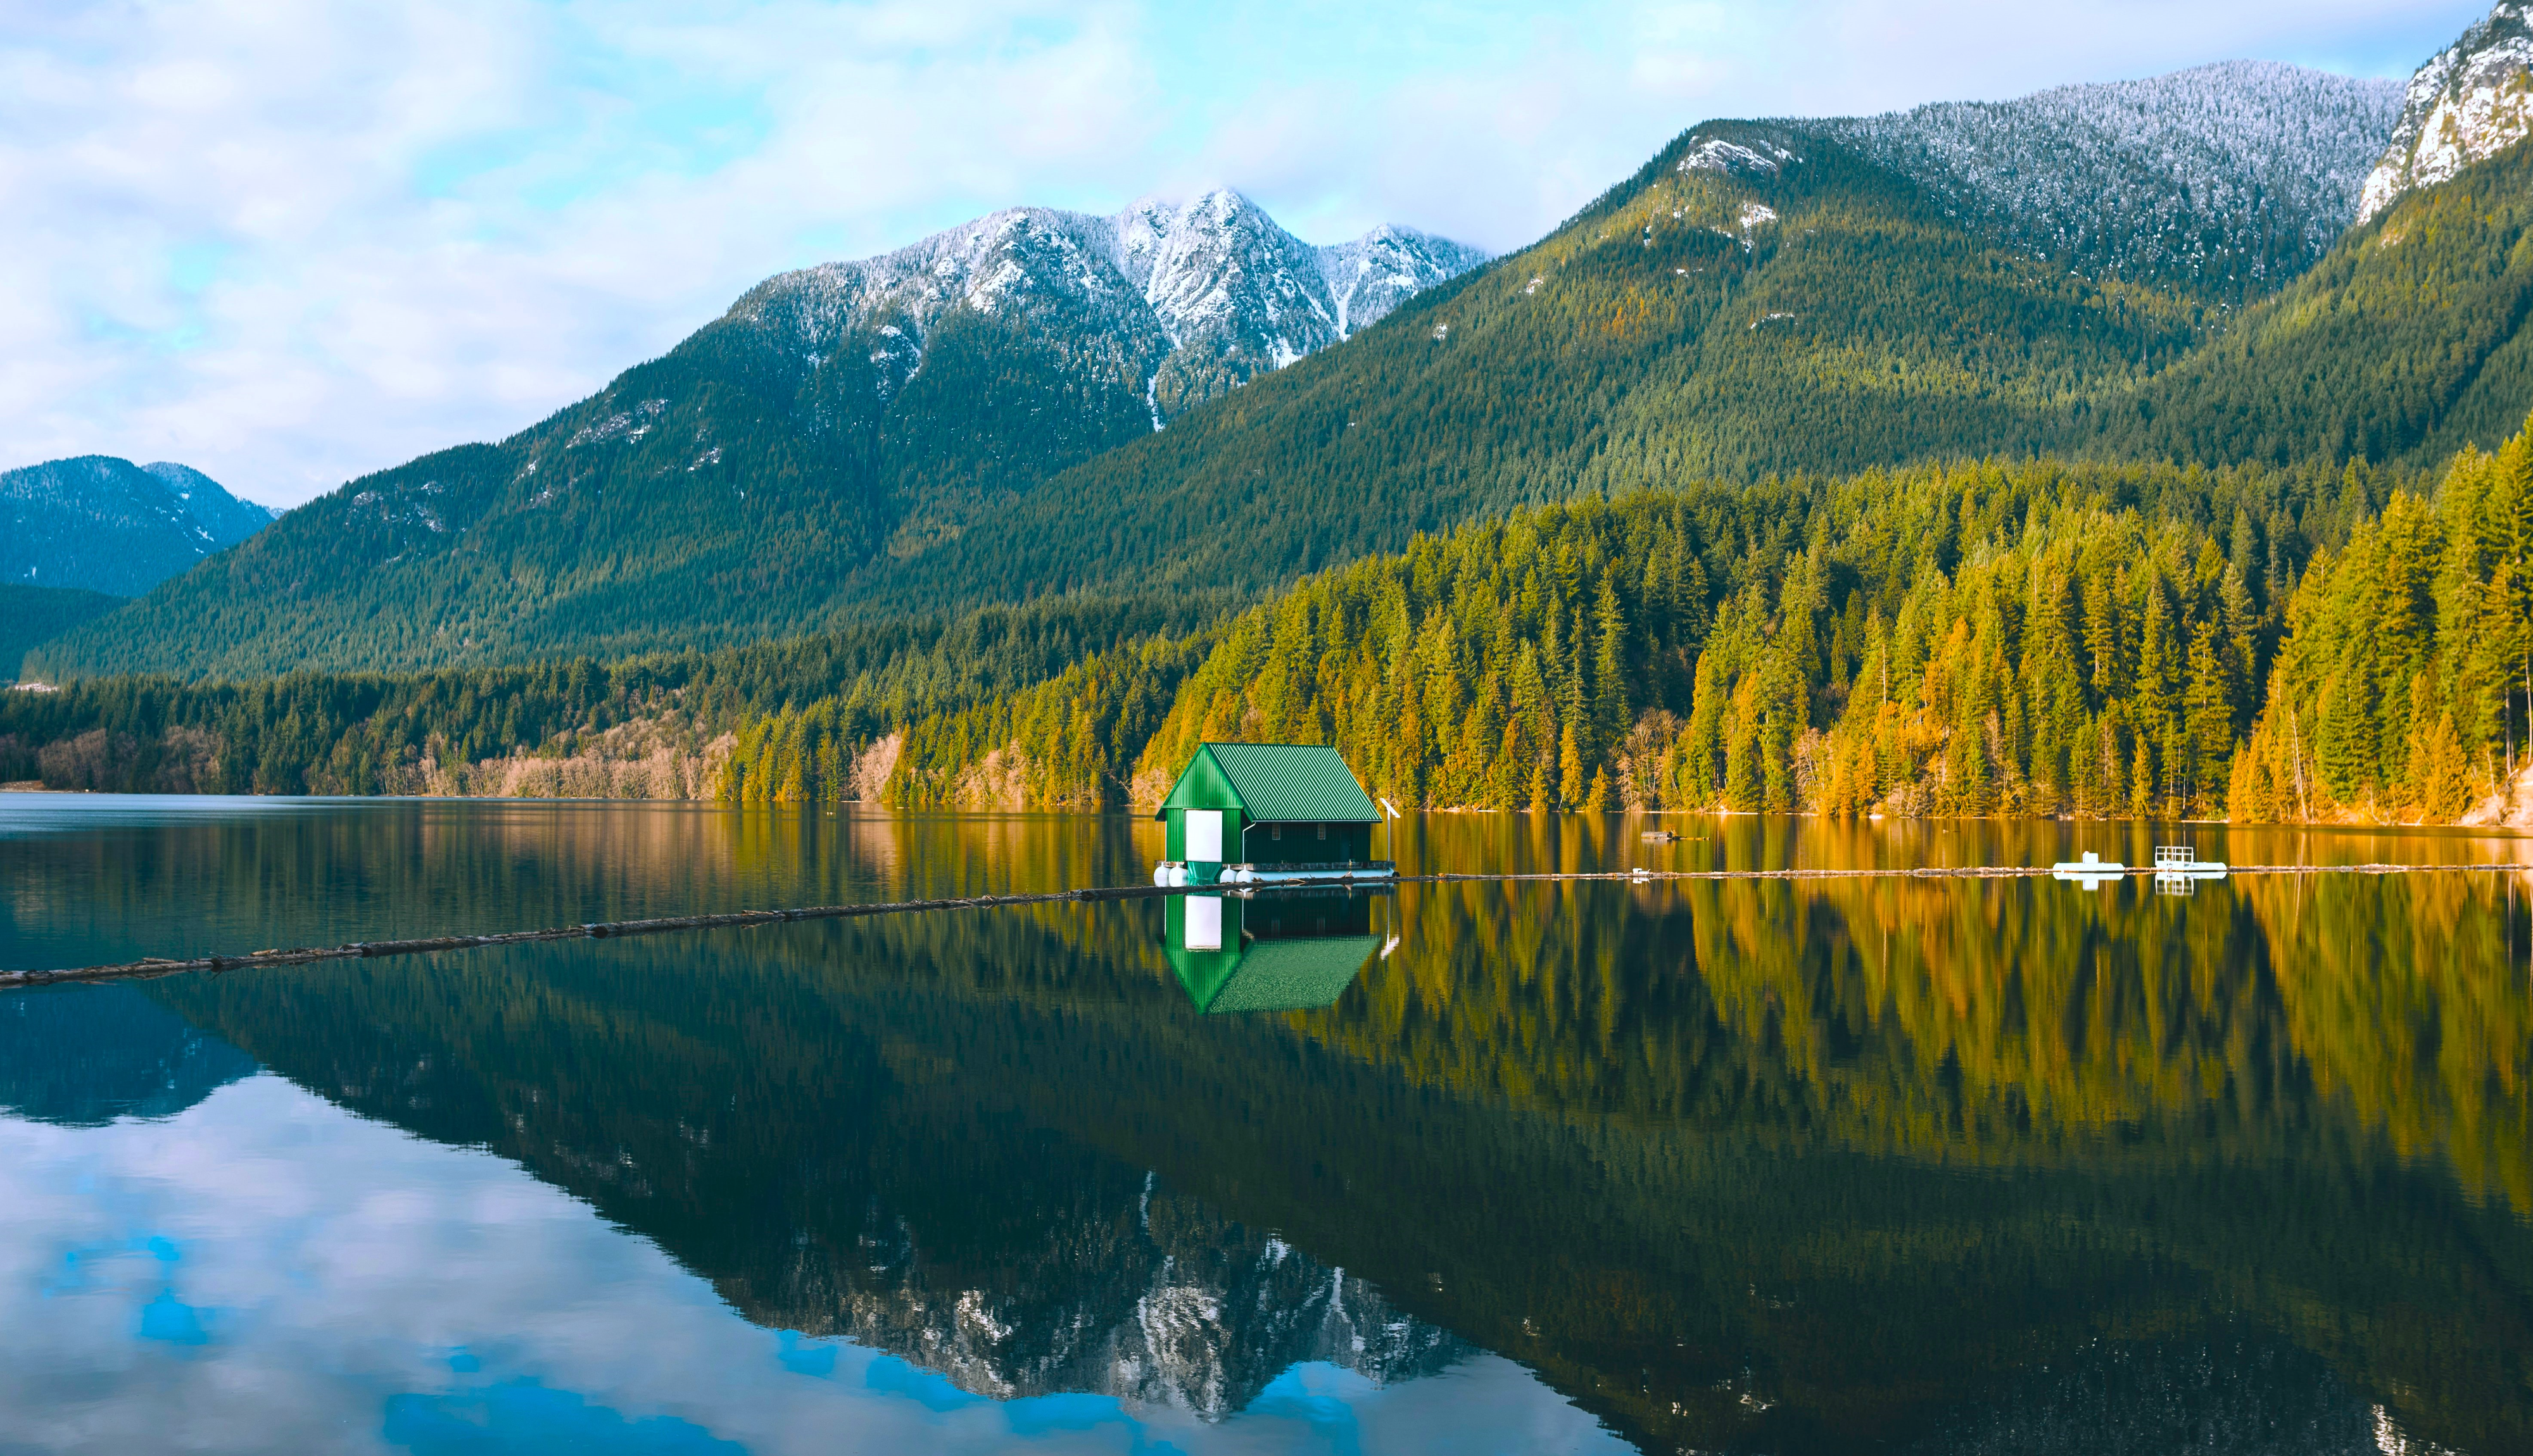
(289, 242)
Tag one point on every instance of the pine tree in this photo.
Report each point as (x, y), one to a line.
(2209, 716)
(2156, 696)
(1570, 762)
(1610, 718)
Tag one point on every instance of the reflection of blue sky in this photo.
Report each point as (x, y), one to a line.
(266, 1271)
(528, 1419)
(171, 1321)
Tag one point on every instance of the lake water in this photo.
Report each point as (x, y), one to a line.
(1915, 1166)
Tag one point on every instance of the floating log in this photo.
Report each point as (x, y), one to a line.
(152, 967)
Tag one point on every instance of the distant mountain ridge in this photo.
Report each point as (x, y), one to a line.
(1192, 299)
(104, 524)
(2469, 102)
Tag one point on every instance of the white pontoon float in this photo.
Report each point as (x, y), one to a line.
(2089, 871)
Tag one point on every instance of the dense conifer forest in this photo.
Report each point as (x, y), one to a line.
(310, 732)
(29, 614)
(2040, 638)
(2043, 637)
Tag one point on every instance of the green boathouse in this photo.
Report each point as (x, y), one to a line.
(1288, 808)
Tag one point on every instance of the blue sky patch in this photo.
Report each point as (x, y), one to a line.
(525, 1417)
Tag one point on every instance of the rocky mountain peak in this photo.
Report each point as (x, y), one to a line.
(2471, 101)
(1218, 270)
(1199, 294)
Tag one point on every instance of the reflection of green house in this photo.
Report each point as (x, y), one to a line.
(1291, 953)
(1291, 808)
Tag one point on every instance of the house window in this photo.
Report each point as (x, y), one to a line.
(1275, 831)
(1324, 831)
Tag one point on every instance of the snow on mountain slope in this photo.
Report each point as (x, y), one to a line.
(1194, 297)
(2470, 100)
(1379, 270)
(224, 516)
(2229, 178)
(1055, 268)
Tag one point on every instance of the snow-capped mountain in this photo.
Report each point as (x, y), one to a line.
(2241, 173)
(108, 525)
(1189, 298)
(2470, 100)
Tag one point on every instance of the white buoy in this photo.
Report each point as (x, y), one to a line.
(2089, 871)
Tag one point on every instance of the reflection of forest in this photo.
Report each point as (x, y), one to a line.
(1990, 1024)
(1796, 1168)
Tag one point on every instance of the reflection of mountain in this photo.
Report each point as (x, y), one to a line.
(1801, 1168)
(87, 1054)
(1169, 1304)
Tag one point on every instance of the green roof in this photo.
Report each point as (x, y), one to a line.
(1308, 783)
(1284, 974)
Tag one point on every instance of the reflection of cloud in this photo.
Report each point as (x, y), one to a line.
(332, 1284)
(289, 242)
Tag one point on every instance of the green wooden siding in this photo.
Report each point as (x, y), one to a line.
(1310, 843)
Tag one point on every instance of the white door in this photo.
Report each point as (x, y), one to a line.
(1205, 922)
(1205, 835)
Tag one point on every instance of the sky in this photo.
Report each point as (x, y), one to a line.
(289, 243)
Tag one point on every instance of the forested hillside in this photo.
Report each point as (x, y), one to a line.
(32, 615)
(2042, 639)
(2407, 343)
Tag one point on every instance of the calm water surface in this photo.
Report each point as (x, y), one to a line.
(1820, 1167)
